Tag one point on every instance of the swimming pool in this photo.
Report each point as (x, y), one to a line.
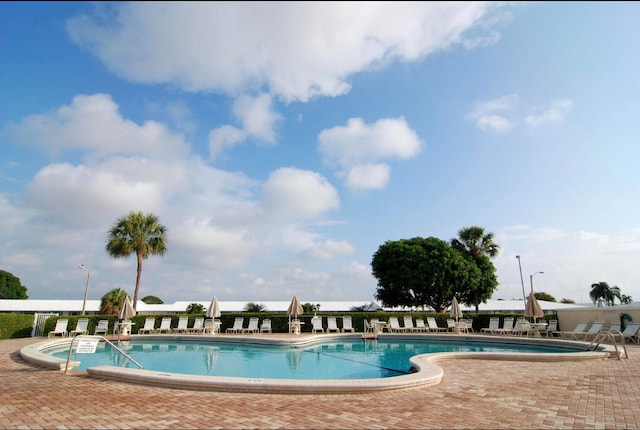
(300, 364)
(336, 359)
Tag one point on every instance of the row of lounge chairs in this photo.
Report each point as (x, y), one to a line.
(393, 325)
(332, 325)
(81, 328)
(631, 332)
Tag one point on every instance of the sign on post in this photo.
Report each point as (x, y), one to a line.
(86, 346)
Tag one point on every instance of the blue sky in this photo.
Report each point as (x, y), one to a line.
(282, 143)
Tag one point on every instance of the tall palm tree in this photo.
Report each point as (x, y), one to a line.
(137, 233)
(476, 242)
(602, 290)
(112, 302)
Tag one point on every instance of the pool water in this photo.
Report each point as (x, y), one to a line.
(343, 359)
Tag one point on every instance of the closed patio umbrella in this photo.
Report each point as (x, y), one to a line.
(455, 311)
(214, 310)
(295, 308)
(533, 309)
(127, 312)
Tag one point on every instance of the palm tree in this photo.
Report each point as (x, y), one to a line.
(194, 308)
(255, 307)
(140, 234)
(112, 302)
(602, 290)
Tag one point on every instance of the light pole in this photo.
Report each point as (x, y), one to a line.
(86, 288)
(531, 279)
(524, 296)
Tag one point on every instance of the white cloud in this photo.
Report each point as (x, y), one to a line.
(355, 148)
(488, 115)
(296, 50)
(223, 138)
(93, 123)
(299, 194)
(556, 112)
(328, 249)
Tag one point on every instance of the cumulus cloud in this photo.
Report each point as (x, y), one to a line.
(491, 114)
(356, 148)
(296, 50)
(555, 112)
(328, 249)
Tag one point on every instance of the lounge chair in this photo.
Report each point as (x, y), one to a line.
(408, 323)
(60, 328)
(615, 326)
(421, 326)
(265, 327)
(183, 324)
(316, 324)
(394, 325)
(347, 324)
(433, 325)
(368, 327)
(592, 332)
(332, 325)
(165, 325)
(494, 324)
(102, 327)
(198, 325)
(551, 329)
(466, 325)
(451, 324)
(81, 327)
(149, 326)
(522, 327)
(237, 326)
(631, 333)
(580, 329)
(253, 326)
(507, 326)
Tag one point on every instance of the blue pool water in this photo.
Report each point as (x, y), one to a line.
(343, 359)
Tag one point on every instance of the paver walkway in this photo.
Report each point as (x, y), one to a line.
(474, 394)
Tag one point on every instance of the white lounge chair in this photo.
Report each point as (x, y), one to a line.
(421, 326)
(592, 332)
(253, 326)
(265, 327)
(347, 324)
(316, 324)
(494, 324)
(60, 328)
(394, 325)
(198, 325)
(433, 325)
(149, 326)
(332, 325)
(408, 323)
(165, 325)
(451, 324)
(81, 327)
(551, 329)
(183, 325)
(237, 326)
(102, 327)
(507, 326)
(631, 333)
(580, 329)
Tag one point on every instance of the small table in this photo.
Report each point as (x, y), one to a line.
(125, 328)
(378, 326)
(295, 326)
(535, 328)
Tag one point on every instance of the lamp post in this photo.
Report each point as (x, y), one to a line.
(531, 279)
(86, 288)
(524, 296)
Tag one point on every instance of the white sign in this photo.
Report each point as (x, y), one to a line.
(86, 346)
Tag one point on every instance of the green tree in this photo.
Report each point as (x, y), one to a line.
(140, 234)
(421, 272)
(254, 307)
(152, 300)
(195, 308)
(11, 287)
(625, 300)
(479, 246)
(568, 301)
(112, 302)
(602, 291)
(544, 296)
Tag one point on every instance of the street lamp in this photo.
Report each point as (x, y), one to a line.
(524, 296)
(86, 288)
(531, 279)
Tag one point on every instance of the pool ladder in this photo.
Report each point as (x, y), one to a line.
(611, 337)
(66, 367)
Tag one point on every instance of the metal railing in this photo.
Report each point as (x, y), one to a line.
(611, 336)
(66, 367)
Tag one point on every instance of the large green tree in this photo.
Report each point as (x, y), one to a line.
(602, 291)
(11, 287)
(112, 302)
(480, 248)
(422, 272)
(139, 234)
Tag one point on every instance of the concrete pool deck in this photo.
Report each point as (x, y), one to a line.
(476, 394)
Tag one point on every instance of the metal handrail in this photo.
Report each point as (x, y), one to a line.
(609, 335)
(66, 367)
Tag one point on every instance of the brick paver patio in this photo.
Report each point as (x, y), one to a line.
(474, 394)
